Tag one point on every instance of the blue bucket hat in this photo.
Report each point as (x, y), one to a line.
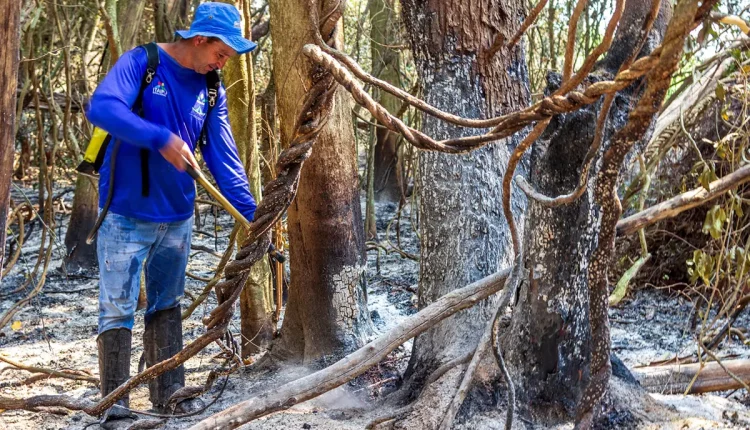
(220, 20)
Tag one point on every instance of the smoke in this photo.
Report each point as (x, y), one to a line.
(341, 397)
(338, 398)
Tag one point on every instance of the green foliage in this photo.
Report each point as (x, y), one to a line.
(715, 220)
(707, 175)
(701, 266)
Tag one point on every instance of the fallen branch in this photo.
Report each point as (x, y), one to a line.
(205, 249)
(675, 378)
(683, 202)
(356, 363)
(75, 375)
(192, 275)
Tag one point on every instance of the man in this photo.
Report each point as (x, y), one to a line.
(150, 217)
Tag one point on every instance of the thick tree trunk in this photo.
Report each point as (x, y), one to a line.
(169, 15)
(326, 312)
(9, 32)
(129, 18)
(385, 65)
(549, 341)
(464, 235)
(256, 308)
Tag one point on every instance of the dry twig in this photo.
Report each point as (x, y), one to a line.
(74, 375)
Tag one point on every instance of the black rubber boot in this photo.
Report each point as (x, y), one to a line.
(162, 339)
(114, 369)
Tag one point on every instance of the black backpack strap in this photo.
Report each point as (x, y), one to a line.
(213, 83)
(152, 52)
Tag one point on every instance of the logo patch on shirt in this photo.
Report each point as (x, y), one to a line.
(200, 103)
(236, 24)
(160, 89)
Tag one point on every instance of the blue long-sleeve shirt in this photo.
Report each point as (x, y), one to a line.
(175, 102)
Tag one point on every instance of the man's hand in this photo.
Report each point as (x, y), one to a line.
(176, 151)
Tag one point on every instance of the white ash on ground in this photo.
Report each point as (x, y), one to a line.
(58, 331)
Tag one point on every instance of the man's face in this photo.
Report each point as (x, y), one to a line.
(210, 55)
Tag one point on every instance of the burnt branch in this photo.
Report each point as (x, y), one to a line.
(76, 375)
(356, 363)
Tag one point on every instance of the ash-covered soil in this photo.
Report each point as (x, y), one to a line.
(58, 331)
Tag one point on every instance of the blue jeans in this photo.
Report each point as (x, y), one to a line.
(123, 244)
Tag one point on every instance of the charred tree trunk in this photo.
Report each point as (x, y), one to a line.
(385, 65)
(464, 235)
(326, 313)
(550, 342)
(9, 31)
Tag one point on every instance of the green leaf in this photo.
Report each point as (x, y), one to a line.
(737, 206)
(622, 285)
(701, 266)
(714, 222)
(721, 93)
(707, 176)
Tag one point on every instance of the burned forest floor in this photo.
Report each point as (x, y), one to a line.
(58, 329)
